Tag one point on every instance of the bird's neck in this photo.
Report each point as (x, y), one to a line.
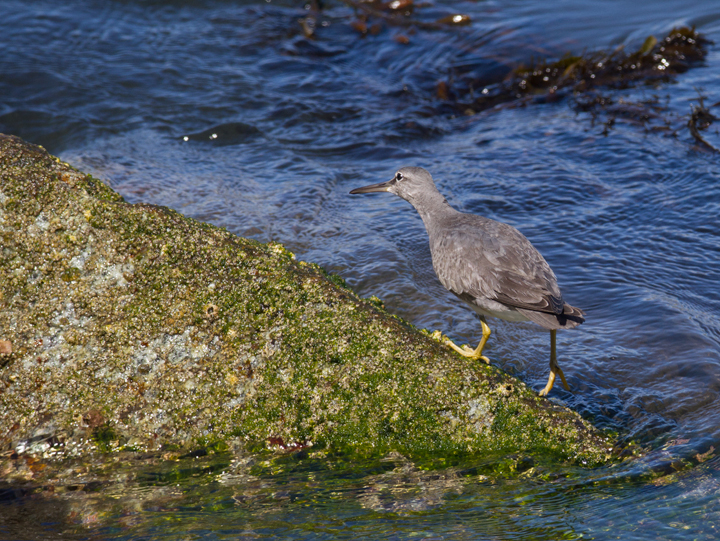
(433, 207)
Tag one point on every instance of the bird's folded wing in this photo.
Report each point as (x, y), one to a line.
(496, 262)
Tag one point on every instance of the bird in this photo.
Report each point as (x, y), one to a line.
(489, 265)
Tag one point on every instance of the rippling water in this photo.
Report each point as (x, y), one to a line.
(226, 112)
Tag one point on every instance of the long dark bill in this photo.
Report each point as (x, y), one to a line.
(379, 187)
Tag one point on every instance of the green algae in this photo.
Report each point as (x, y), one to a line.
(104, 437)
(134, 327)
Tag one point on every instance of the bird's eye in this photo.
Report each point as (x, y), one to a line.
(398, 176)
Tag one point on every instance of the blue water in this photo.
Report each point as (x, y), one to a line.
(627, 217)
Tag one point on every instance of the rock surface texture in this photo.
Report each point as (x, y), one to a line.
(133, 327)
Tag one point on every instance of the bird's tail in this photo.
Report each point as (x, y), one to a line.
(571, 317)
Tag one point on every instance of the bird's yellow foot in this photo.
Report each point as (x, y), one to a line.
(437, 335)
(466, 351)
(551, 380)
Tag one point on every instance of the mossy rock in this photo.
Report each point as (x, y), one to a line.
(133, 327)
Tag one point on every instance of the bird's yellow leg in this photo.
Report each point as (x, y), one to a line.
(475, 354)
(554, 368)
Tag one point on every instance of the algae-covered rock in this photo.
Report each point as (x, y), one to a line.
(132, 326)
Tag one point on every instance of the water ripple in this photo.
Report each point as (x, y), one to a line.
(281, 127)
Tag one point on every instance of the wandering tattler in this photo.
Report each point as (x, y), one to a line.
(489, 265)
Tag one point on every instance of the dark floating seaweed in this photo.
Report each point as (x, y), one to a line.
(371, 16)
(400, 13)
(700, 119)
(655, 61)
(581, 78)
(587, 79)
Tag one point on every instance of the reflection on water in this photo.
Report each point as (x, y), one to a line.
(298, 497)
(229, 114)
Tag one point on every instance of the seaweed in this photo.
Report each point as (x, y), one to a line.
(371, 16)
(583, 78)
(651, 114)
(400, 13)
(700, 119)
(654, 62)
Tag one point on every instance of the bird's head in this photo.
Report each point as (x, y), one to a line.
(411, 183)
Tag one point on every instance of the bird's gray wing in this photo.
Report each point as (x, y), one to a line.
(484, 258)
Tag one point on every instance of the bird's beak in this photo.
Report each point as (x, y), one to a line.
(379, 187)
